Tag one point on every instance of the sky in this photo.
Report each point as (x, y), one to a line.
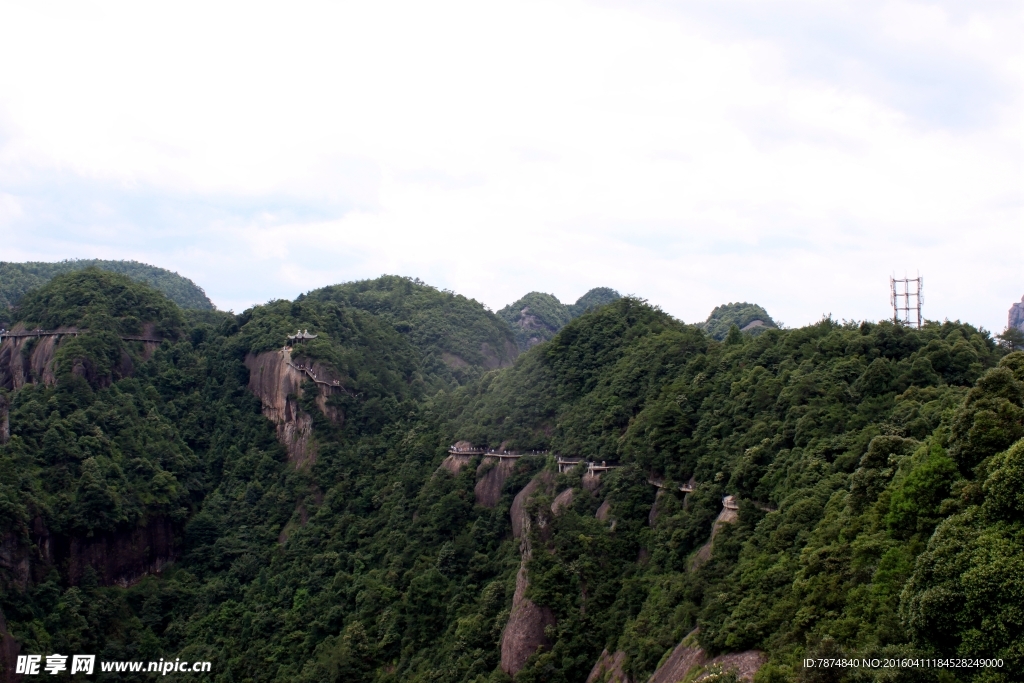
(790, 153)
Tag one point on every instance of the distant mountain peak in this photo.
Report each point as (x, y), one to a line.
(749, 318)
(1016, 317)
(18, 278)
(538, 316)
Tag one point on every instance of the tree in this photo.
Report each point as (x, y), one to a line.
(1012, 338)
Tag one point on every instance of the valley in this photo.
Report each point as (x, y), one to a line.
(429, 491)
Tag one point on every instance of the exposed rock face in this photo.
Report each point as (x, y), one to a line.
(521, 520)
(652, 517)
(453, 463)
(277, 380)
(494, 360)
(604, 510)
(30, 360)
(561, 501)
(535, 330)
(15, 558)
(1016, 317)
(9, 651)
(119, 558)
(729, 515)
(745, 664)
(5, 421)
(488, 489)
(453, 361)
(18, 369)
(122, 558)
(686, 656)
(608, 669)
(524, 632)
(689, 662)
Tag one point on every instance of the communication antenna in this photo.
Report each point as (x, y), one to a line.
(907, 298)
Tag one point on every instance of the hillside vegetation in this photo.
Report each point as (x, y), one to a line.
(876, 469)
(749, 318)
(537, 316)
(16, 279)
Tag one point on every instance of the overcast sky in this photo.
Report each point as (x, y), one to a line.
(793, 154)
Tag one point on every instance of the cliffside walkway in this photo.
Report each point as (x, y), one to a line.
(564, 464)
(685, 488)
(334, 384)
(70, 333)
(492, 453)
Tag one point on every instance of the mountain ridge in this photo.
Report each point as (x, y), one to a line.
(306, 520)
(536, 317)
(17, 279)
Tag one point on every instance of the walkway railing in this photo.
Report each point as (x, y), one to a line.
(334, 384)
(70, 333)
(685, 488)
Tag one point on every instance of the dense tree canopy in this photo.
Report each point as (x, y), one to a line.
(538, 316)
(18, 278)
(743, 316)
(878, 473)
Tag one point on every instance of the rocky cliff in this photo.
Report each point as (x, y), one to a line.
(5, 421)
(537, 317)
(9, 650)
(525, 633)
(30, 360)
(491, 477)
(609, 669)
(27, 360)
(689, 662)
(729, 515)
(1016, 316)
(277, 379)
(119, 558)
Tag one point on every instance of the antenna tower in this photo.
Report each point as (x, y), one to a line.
(907, 298)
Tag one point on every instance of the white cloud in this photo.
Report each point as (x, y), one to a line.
(789, 153)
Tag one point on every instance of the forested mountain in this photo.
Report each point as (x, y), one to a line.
(293, 512)
(749, 318)
(18, 278)
(537, 316)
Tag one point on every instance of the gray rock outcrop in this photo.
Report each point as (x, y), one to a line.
(277, 380)
(1016, 317)
(525, 630)
(689, 662)
(5, 421)
(608, 668)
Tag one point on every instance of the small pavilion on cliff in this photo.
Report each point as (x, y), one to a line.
(300, 336)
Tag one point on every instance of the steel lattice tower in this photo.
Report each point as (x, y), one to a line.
(907, 297)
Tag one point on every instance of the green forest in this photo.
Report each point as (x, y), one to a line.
(18, 278)
(537, 316)
(151, 506)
